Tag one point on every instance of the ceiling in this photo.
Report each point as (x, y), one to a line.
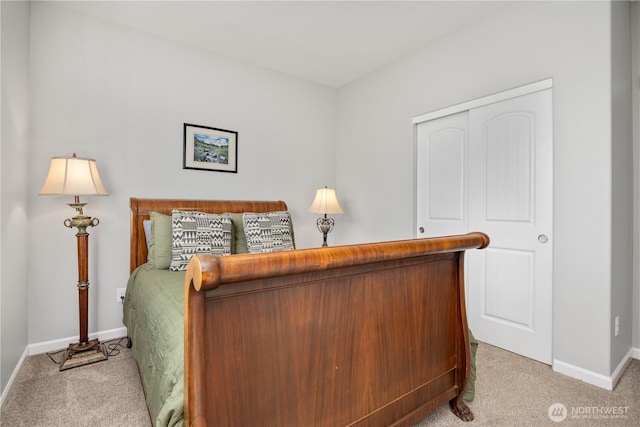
(328, 42)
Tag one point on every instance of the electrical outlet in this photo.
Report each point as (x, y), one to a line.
(120, 294)
(617, 326)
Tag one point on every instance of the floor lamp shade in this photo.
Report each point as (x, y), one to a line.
(78, 176)
(73, 176)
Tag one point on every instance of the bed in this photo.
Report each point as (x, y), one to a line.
(356, 335)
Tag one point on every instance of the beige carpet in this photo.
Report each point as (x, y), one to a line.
(511, 391)
(103, 394)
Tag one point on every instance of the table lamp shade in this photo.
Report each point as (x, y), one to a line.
(326, 202)
(73, 176)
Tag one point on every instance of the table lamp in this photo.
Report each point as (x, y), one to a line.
(325, 203)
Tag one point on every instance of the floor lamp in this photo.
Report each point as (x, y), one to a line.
(77, 176)
(325, 202)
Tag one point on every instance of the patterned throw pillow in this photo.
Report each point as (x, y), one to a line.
(267, 232)
(196, 233)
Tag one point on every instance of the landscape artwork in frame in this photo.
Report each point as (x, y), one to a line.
(211, 149)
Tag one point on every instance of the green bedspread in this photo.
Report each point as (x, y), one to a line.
(154, 317)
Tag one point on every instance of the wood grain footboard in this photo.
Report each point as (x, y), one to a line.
(360, 335)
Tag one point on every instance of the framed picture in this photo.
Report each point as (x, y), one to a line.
(210, 149)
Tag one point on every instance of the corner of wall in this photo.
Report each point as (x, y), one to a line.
(2, 387)
(603, 381)
(635, 88)
(14, 111)
(622, 259)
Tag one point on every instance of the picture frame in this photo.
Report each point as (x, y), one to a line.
(209, 148)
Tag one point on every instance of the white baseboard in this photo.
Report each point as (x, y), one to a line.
(590, 377)
(5, 391)
(617, 373)
(60, 344)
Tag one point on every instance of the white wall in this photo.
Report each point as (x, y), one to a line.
(622, 184)
(121, 97)
(523, 43)
(13, 183)
(635, 88)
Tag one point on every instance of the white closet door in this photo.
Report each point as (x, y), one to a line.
(442, 183)
(511, 197)
(490, 169)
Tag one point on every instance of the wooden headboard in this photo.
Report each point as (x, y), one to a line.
(141, 210)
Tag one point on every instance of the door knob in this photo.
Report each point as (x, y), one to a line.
(543, 238)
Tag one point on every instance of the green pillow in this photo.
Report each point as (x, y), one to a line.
(239, 241)
(160, 242)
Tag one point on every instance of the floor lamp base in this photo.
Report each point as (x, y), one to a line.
(80, 354)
